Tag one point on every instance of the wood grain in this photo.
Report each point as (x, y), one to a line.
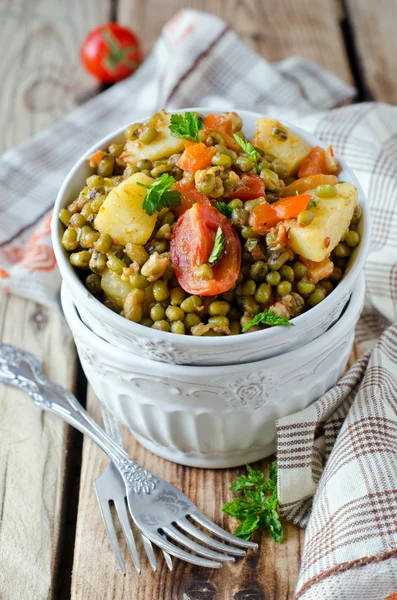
(41, 81)
(274, 28)
(373, 25)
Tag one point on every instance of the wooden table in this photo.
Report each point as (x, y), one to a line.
(42, 81)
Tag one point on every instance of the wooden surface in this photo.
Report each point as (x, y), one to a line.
(41, 82)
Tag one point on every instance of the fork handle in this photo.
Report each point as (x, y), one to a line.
(112, 426)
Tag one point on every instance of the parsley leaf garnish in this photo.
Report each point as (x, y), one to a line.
(159, 194)
(312, 202)
(248, 148)
(218, 248)
(267, 317)
(186, 126)
(224, 209)
(256, 506)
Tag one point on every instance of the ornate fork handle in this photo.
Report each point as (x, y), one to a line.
(25, 371)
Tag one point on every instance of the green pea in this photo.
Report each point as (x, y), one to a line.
(270, 178)
(157, 171)
(204, 272)
(65, 216)
(280, 168)
(177, 296)
(157, 312)
(342, 250)
(287, 273)
(273, 278)
(136, 296)
(87, 211)
(174, 313)
(148, 134)
(336, 274)
(316, 297)
(244, 163)
(341, 263)
(219, 307)
(133, 313)
(160, 246)
(239, 217)
(130, 170)
(116, 149)
(115, 264)
(248, 232)
(160, 290)
(277, 259)
(161, 325)
(98, 262)
(80, 259)
(305, 218)
(97, 202)
(263, 293)
(236, 203)
(284, 288)
(137, 253)
(222, 160)
(234, 328)
(147, 322)
(144, 164)
(69, 239)
(259, 270)
(305, 287)
(250, 305)
(191, 303)
(191, 320)
(300, 270)
(95, 181)
(218, 321)
(178, 327)
(352, 239)
(77, 221)
(326, 286)
(164, 232)
(251, 204)
(131, 131)
(105, 167)
(248, 288)
(357, 214)
(139, 281)
(229, 295)
(207, 186)
(326, 190)
(167, 218)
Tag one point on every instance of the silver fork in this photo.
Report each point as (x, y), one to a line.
(109, 487)
(160, 511)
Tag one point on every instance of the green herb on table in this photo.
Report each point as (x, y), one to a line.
(248, 149)
(224, 209)
(218, 248)
(159, 194)
(267, 317)
(186, 126)
(257, 505)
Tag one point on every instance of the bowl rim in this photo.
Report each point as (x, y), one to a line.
(129, 328)
(350, 315)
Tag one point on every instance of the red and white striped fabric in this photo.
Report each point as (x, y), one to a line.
(342, 449)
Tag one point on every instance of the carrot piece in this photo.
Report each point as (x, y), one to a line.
(308, 183)
(318, 270)
(289, 208)
(189, 195)
(196, 157)
(96, 158)
(314, 163)
(263, 218)
(222, 125)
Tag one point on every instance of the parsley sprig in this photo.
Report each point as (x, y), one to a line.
(248, 149)
(224, 209)
(256, 506)
(218, 248)
(159, 194)
(186, 126)
(267, 317)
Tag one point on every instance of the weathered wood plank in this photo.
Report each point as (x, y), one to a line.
(41, 81)
(274, 28)
(373, 26)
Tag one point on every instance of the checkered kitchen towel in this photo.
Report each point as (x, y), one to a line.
(350, 548)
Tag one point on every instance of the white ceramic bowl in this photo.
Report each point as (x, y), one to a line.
(180, 349)
(212, 416)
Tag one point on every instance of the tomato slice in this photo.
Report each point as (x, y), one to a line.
(310, 182)
(191, 244)
(189, 196)
(252, 187)
(196, 157)
(289, 208)
(222, 125)
(264, 217)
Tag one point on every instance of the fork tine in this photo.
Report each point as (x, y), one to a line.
(161, 541)
(206, 522)
(168, 559)
(147, 544)
(129, 536)
(177, 536)
(203, 537)
(110, 530)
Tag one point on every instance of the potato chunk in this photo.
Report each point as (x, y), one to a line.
(163, 146)
(122, 215)
(114, 287)
(286, 146)
(332, 217)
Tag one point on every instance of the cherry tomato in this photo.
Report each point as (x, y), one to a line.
(191, 244)
(189, 195)
(111, 53)
(253, 187)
